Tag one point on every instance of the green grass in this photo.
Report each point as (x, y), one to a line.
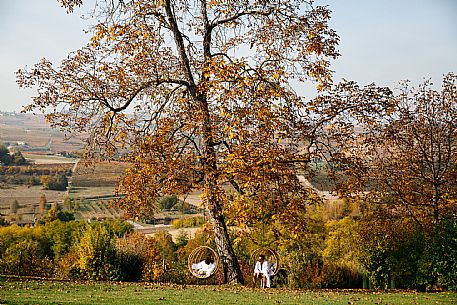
(43, 292)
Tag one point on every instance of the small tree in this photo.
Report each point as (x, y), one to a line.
(96, 252)
(42, 205)
(67, 202)
(18, 159)
(5, 158)
(58, 182)
(14, 206)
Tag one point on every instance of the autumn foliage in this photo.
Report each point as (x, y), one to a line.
(202, 96)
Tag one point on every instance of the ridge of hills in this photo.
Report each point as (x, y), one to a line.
(31, 133)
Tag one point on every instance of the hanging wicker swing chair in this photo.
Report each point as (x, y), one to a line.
(271, 256)
(203, 262)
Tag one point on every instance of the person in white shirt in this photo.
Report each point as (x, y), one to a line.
(262, 270)
(205, 267)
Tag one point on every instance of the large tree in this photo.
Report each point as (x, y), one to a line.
(406, 159)
(197, 95)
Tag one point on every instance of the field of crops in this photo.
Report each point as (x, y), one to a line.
(104, 174)
(36, 133)
(91, 186)
(27, 197)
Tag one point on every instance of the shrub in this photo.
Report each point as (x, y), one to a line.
(63, 236)
(26, 258)
(5, 157)
(131, 254)
(442, 253)
(154, 265)
(24, 251)
(341, 275)
(59, 183)
(96, 253)
(3, 222)
(167, 202)
(391, 251)
(188, 222)
(341, 268)
(118, 227)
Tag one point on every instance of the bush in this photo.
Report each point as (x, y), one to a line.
(188, 222)
(3, 222)
(154, 265)
(24, 251)
(5, 157)
(167, 202)
(96, 253)
(63, 236)
(443, 254)
(27, 258)
(131, 252)
(57, 182)
(341, 275)
(118, 227)
(341, 268)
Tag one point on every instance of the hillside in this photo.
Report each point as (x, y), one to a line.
(31, 133)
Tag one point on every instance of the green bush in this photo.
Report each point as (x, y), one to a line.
(24, 251)
(391, 250)
(27, 258)
(118, 227)
(167, 202)
(443, 253)
(400, 253)
(131, 252)
(63, 236)
(96, 253)
(57, 182)
(188, 222)
(5, 158)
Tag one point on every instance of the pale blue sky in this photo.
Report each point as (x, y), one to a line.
(382, 41)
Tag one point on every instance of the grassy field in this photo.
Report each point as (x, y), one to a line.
(48, 159)
(39, 292)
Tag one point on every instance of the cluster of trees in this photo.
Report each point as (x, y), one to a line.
(203, 115)
(51, 178)
(58, 249)
(107, 250)
(57, 182)
(35, 170)
(11, 159)
(340, 251)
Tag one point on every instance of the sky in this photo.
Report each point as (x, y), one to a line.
(382, 41)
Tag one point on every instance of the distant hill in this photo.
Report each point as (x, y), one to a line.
(31, 133)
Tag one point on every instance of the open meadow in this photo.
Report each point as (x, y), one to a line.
(43, 292)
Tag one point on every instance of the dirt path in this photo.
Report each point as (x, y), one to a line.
(326, 195)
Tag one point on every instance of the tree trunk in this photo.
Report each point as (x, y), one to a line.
(230, 265)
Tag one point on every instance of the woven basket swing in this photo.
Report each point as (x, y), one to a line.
(196, 260)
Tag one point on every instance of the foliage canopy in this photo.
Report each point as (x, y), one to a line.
(198, 96)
